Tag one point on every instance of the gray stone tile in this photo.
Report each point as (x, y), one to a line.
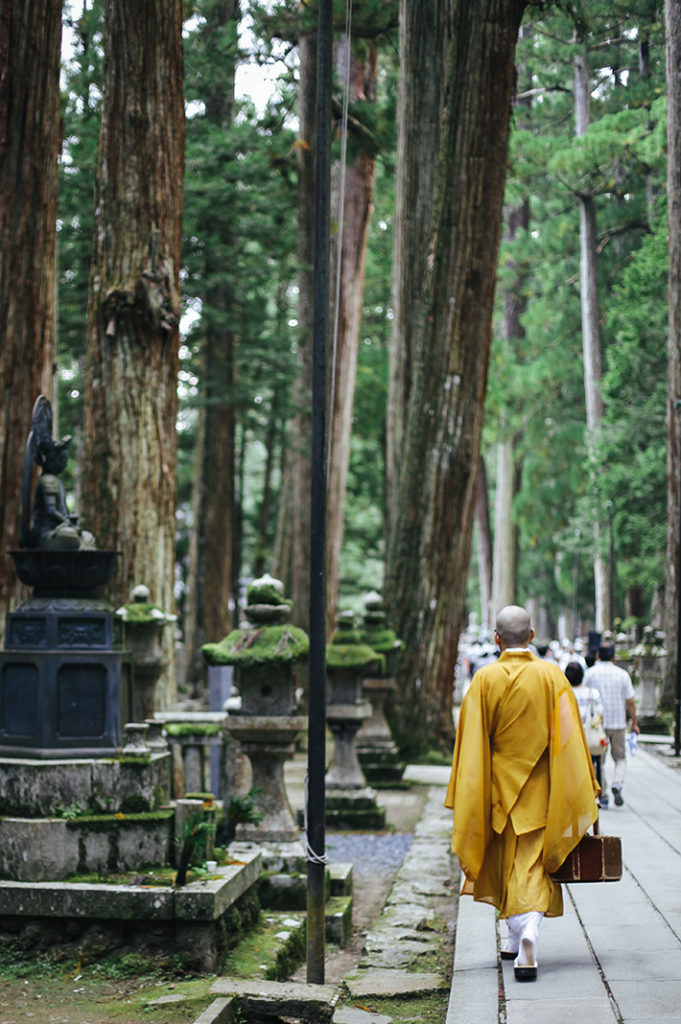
(560, 1011)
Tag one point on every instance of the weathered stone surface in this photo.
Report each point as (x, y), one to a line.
(339, 920)
(203, 901)
(106, 902)
(353, 1015)
(30, 788)
(392, 983)
(39, 849)
(220, 1011)
(305, 1002)
(340, 876)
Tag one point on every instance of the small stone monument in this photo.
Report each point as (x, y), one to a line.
(263, 655)
(649, 657)
(376, 749)
(350, 803)
(143, 625)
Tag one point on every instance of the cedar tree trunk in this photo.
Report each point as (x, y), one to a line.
(359, 185)
(129, 484)
(449, 324)
(292, 556)
(30, 141)
(673, 583)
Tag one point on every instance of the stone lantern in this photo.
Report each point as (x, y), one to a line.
(350, 803)
(376, 749)
(143, 626)
(649, 655)
(264, 655)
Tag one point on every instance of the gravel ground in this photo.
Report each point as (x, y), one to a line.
(369, 853)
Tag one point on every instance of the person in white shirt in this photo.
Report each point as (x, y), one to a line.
(589, 703)
(617, 693)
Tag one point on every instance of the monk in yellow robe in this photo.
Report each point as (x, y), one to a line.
(522, 786)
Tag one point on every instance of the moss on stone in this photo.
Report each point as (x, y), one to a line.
(271, 645)
(107, 822)
(382, 640)
(143, 613)
(347, 636)
(178, 729)
(344, 656)
(261, 592)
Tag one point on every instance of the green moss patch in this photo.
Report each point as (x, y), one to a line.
(178, 729)
(143, 613)
(104, 822)
(349, 655)
(430, 1008)
(271, 645)
(261, 592)
(382, 640)
(273, 950)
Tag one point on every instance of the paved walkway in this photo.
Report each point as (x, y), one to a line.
(615, 955)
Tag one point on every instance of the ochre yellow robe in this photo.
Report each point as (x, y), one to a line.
(522, 784)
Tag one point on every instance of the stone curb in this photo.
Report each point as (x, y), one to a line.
(409, 927)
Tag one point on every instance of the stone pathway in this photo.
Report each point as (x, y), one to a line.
(416, 924)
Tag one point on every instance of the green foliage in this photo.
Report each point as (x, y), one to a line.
(243, 809)
(536, 389)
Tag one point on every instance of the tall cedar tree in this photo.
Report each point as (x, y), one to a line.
(348, 297)
(30, 140)
(129, 478)
(449, 233)
(209, 585)
(673, 584)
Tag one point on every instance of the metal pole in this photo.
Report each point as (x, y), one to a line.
(677, 699)
(316, 755)
(611, 567)
(575, 588)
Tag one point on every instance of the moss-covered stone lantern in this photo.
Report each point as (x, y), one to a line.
(263, 656)
(649, 658)
(143, 626)
(376, 749)
(350, 803)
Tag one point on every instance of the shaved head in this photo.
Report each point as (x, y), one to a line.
(514, 626)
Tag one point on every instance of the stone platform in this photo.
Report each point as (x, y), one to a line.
(188, 919)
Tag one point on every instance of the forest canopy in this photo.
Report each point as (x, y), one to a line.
(566, 505)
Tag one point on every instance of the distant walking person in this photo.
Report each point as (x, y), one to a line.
(589, 703)
(522, 786)
(617, 693)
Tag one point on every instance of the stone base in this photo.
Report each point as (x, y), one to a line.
(188, 920)
(282, 858)
(32, 788)
(354, 809)
(40, 849)
(381, 766)
(264, 1000)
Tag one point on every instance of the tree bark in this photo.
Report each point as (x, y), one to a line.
(672, 582)
(591, 337)
(450, 325)
(485, 546)
(505, 541)
(131, 391)
(423, 55)
(30, 141)
(348, 300)
(214, 514)
(292, 553)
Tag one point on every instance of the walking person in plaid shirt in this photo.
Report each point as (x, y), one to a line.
(617, 693)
